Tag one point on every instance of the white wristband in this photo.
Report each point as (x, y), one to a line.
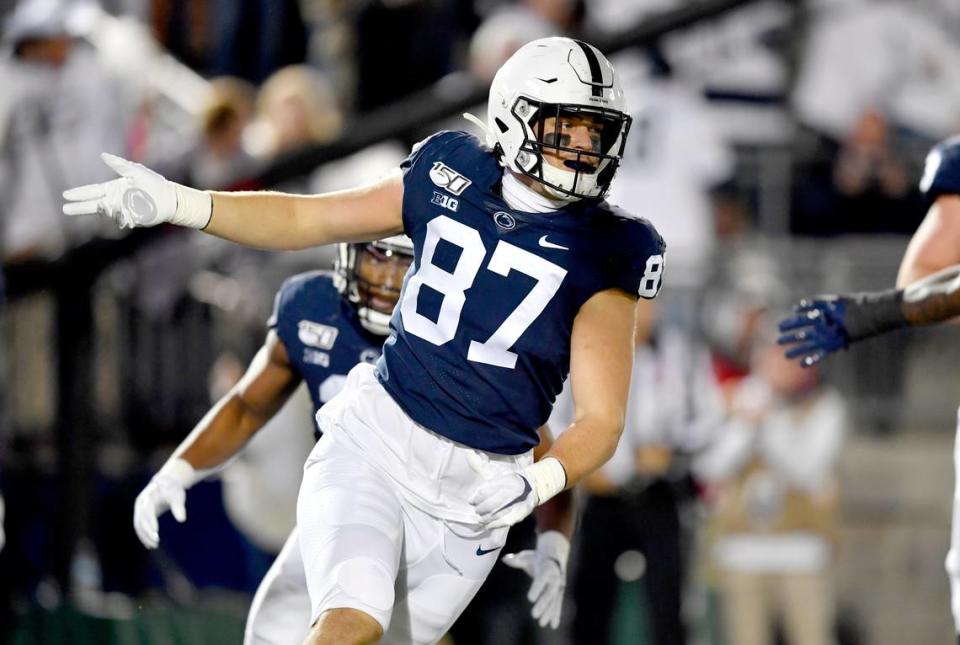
(194, 207)
(181, 471)
(547, 477)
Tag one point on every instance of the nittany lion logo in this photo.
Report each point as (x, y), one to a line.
(140, 203)
(504, 220)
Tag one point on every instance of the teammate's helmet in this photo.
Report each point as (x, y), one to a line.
(370, 275)
(566, 79)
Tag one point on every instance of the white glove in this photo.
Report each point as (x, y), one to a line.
(547, 565)
(505, 499)
(139, 197)
(167, 490)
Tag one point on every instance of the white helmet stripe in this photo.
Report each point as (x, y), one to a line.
(596, 75)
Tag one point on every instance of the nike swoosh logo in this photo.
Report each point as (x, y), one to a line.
(482, 551)
(527, 489)
(551, 245)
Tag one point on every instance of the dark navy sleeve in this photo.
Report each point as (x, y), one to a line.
(638, 265)
(941, 174)
(297, 296)
(424, 172)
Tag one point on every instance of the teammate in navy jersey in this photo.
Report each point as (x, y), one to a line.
(322, 325)
(522, 274)
(927, 292)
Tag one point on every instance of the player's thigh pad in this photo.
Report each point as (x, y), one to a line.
(351, 534)
(280, 612)
(443, 572)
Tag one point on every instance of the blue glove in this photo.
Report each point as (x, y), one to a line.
(817, 329)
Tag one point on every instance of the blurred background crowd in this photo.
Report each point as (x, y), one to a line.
(777, 145)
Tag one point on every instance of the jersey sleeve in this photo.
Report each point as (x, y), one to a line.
(298, 297)
(941, 173)
(639, 265)
(424, 172)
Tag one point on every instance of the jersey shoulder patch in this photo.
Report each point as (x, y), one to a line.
(941, 172)
(311, 295)
(443, 171)
(637, 250)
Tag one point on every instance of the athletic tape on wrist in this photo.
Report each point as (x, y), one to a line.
(547, 477)
(194, 207)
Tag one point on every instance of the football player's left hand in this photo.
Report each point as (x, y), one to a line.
(505, 498)
(547, 565)
(816, 330)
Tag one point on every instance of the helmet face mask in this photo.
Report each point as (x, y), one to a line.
(547, 86)
(370, 275)
(554, 158)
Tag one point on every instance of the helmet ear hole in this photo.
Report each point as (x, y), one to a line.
(501, 125)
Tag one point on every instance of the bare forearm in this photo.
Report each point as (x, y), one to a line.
(221, 433)
(281, 221)
(263, 220)
(584, 447)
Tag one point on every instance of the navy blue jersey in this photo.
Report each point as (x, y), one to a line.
(941, 174)
(480, 341)
(321, 332)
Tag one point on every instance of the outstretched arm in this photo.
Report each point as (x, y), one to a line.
(279, 221)
(242, 412)
(823, 325)
(929, 293)
(267, 220)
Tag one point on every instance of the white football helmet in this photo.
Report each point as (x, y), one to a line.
(562, 78)
(370, 275)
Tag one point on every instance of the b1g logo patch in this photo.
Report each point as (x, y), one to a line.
(317, 335)
(451, 203)
(449, 179)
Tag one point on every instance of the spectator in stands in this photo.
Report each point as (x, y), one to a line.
(249, 39)
(773, 525)
(502, 33)
(635, 502)
(878, 82)
(296, 107)
(221, 157)
(57, 111)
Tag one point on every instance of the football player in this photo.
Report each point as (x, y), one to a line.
(522, 273)
(322, 325)
(927, 292)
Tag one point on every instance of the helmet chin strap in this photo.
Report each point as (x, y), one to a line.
(487, 133)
